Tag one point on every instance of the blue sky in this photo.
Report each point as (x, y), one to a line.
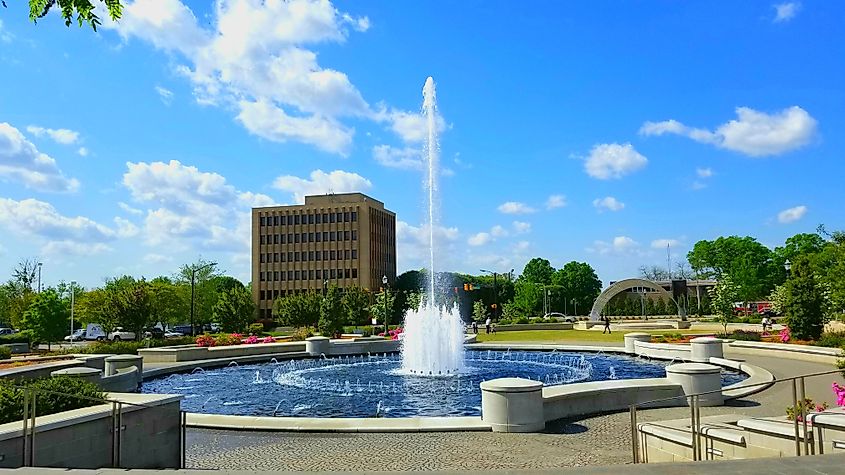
(595, 131)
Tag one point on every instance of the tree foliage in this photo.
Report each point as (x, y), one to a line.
(578, 283)
(723, 297)
(298, 310)
(332, 314)
(234, 310)
(479, 311)
(804, 302)
(356, 303)
(537, 271)
(754, 268)
(47, 318)
(82, 11)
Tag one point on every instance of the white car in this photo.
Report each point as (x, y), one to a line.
(560, 316)
(77, 335)
(119, 334)
(172, 334)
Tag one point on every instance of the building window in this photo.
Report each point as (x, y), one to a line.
(339, 216)
(296, 238)
(262, 258)
(262, 296)
(319, 220)
(276, 276)
(355, 253)
(310, 237)
(261, 221)
(310, 219)
(346, 254)
(346, 273)
(325, 217)
(262, 239)
(354, 235)
(319, 272)
(282, 276)
(331, 217)
(346, 217)
(296, 219)
(325, 255)
(290, 238)
(333, 255)
(340, 273)
(354, 216)
(290, 275)
(333, 274)
(332, 235)
(311, 274)
(290, 256)
(275, 220)
(318, 255)
(310, 255)
(261, 276)
(275, 239)
(318, 236)
(296, 275)
(354, 273)
(346, 235)
(275, 257)
(304, 237)
(296, 256)
(325, 236)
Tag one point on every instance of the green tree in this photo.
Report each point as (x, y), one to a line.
(356, 303)
(332, 314)
(723, 297)
(527, 299)
(47, 317)
(132, 305)
(205, 287)
(802, 244)
(383, 308)
(479, 311)
(83, 10)
(538, 271)
(804, 302)
(578, 282)
(168, 303)
(234, 310)
(654, 273)
(298, 310)
(754, 268)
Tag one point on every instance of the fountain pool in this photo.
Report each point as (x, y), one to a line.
(378, 386)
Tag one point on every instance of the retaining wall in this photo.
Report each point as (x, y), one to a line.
(579, 399)
(175, 354)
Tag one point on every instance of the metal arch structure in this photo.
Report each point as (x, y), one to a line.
(626, 284)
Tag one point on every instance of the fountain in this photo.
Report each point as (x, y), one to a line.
(433, 337)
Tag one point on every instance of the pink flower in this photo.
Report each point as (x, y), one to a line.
(268, 339)
(784, 335)
(251, 340)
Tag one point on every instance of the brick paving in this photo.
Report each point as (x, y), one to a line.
(591, 441)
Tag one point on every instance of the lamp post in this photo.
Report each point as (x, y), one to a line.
(194, 271)
(495, 294)
(72, 292)
(787, 266)
(386, 301)
(325, 287)
(39, 276)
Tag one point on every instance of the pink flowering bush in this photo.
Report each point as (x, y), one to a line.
(205, 340)
(268, 339)
(839, 391)
(226, 340)
(794, 412)
(785, 335)
(251, 340)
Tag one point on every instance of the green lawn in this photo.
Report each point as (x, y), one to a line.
(554, 336)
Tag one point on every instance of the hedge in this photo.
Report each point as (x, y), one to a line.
(5, 353)
(67, 389)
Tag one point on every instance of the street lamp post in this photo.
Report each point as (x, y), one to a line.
(39, 276)
(72, 292)
(386, 301)
(495, 294)
(194, 271)
(787, 266)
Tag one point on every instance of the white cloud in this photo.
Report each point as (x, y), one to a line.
(704, 172)
(412, 245)
(5, 36)
(664, 242)
(555, 201)
(411, 127)
(408, 158)
(479, 239)
(498, 231)
(154, 258)
(253, 55)
(753, 133)
(619, 245)
(607, 161)
(61, 234)
(792, 214)
(320, 183)
(785, 11)
(21, 161)
(165, 94)
(190, 208)
(521, 246)
(698, 185)
(83, 152)
(521, 227)
(61, 136)
(125, 228)
(129, 209)
(608, 203)
(515, 207)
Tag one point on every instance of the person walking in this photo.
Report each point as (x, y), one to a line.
(475, 327)
(487, 324)
(606, 325)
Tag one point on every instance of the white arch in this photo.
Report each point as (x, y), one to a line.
(626, 284)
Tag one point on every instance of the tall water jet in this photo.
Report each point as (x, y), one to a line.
(433, 341)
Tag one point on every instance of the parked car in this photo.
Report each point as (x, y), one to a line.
(77, 335)
(6, 331)
(173, 334)
(153, 332)
(560, 316)
(119, 334)
(184, 329)
(95, 332)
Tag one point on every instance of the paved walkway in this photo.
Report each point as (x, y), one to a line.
(599, 440)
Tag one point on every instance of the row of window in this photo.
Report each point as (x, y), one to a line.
(296, 256)
(311, 218)
(310, 274)
(296, 238)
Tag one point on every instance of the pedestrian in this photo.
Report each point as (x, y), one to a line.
(493, 328)
(765, 322)
(475, 327)
(487, 324)
(606, 325)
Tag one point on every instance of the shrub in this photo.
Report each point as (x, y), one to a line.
(832, 339)
(505, 321)
(268, 339)
(301, 334)
(5, 353)
(255, 328)
(521, 320)
(744, 335)
(537, 320)
(205, 340)
(23, 337)
(251, 340)
(227, 339)
(66, 391)
(554, 320)
(793, 412)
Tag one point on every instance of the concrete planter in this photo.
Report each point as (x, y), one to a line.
(513, 405)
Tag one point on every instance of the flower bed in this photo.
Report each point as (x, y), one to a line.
(231, 339)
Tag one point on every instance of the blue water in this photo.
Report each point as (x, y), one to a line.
(366, 386)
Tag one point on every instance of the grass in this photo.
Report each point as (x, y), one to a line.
(554, 336)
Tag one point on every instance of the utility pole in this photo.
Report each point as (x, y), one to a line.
(72, 292)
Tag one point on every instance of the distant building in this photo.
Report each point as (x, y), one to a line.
(346, 239)
(679, 288)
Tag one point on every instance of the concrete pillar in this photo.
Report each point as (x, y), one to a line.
(317, 345)
(630, 338)
(513, 405)
(93, 361)
(706, 347)
(117, 362)
(698, 378)
(88, 374)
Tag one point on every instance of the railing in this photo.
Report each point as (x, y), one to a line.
(693, 400)
(117, 426)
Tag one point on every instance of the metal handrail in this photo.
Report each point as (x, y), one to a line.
(695, 412)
